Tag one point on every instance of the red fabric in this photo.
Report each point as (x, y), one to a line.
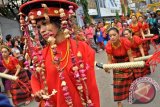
(136, 42)
(11, 66)
(8, 44)
(20, 93)
(122, 80)
(121, 50)
(51, 12)
(136, 28)
(54, 81)
(103, 29)
(89, 32)
(145, 26)
(21, 90)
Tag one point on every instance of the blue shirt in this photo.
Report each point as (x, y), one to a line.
(4, 102)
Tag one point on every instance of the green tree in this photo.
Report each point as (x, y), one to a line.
(123, 9)
(117, 15)
(128, 11)
(11, 9)
(84, 4)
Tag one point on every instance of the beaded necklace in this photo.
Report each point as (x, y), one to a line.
(119, 44)
(78, 69)
(7, 60)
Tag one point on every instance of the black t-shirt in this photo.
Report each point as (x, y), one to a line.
(158, 21)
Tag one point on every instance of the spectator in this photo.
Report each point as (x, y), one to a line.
(89, 36)
(153, 24)
(99, 36)
(4, 102)
(8, 39)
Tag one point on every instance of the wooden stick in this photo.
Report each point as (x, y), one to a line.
(142, 58)
(7, 76)
(149, 35)
(138, 64)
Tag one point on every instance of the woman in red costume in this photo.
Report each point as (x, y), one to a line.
(119, 50)
(146, 31)
(68, 64)
(136, 28)
(137, 51)
(19, 94)
(145, 26)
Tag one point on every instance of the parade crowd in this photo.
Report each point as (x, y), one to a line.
(75, 83)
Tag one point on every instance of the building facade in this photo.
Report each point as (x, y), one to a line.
(8, 26)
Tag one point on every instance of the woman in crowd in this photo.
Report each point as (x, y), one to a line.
(6, 83)
(118, 25)
(153, 23)
(99, 36)
(137, 50)
(12, 66)
(136, 27)
(15, 47)
(69, 64)
(89, 33)
(8, 39)
(4, 101)
(146, 31)
(119, 50)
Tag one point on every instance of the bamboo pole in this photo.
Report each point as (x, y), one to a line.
(7, 76)
(149, 35)
(138, 64)
(142, 58)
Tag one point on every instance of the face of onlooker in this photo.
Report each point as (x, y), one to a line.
(16, 43)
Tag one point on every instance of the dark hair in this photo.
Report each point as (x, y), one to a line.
(134, 15)
(6, 47)
(141, 17)
(8, 37)
(13, 41)
(153, 13)
(56, 21)
(113, 28)
(53, 20)
(129, 30)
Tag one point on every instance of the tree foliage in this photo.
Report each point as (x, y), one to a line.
(117, 15)
(84, 4)
(128, 11)
(123, 9)
(11, 9)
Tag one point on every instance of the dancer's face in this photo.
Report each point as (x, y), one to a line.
(140, 19)
(127, 34)
(47, 29)
(134, 19)
(5, 52)
(114, 36)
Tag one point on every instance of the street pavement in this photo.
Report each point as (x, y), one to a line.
(104, 82)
